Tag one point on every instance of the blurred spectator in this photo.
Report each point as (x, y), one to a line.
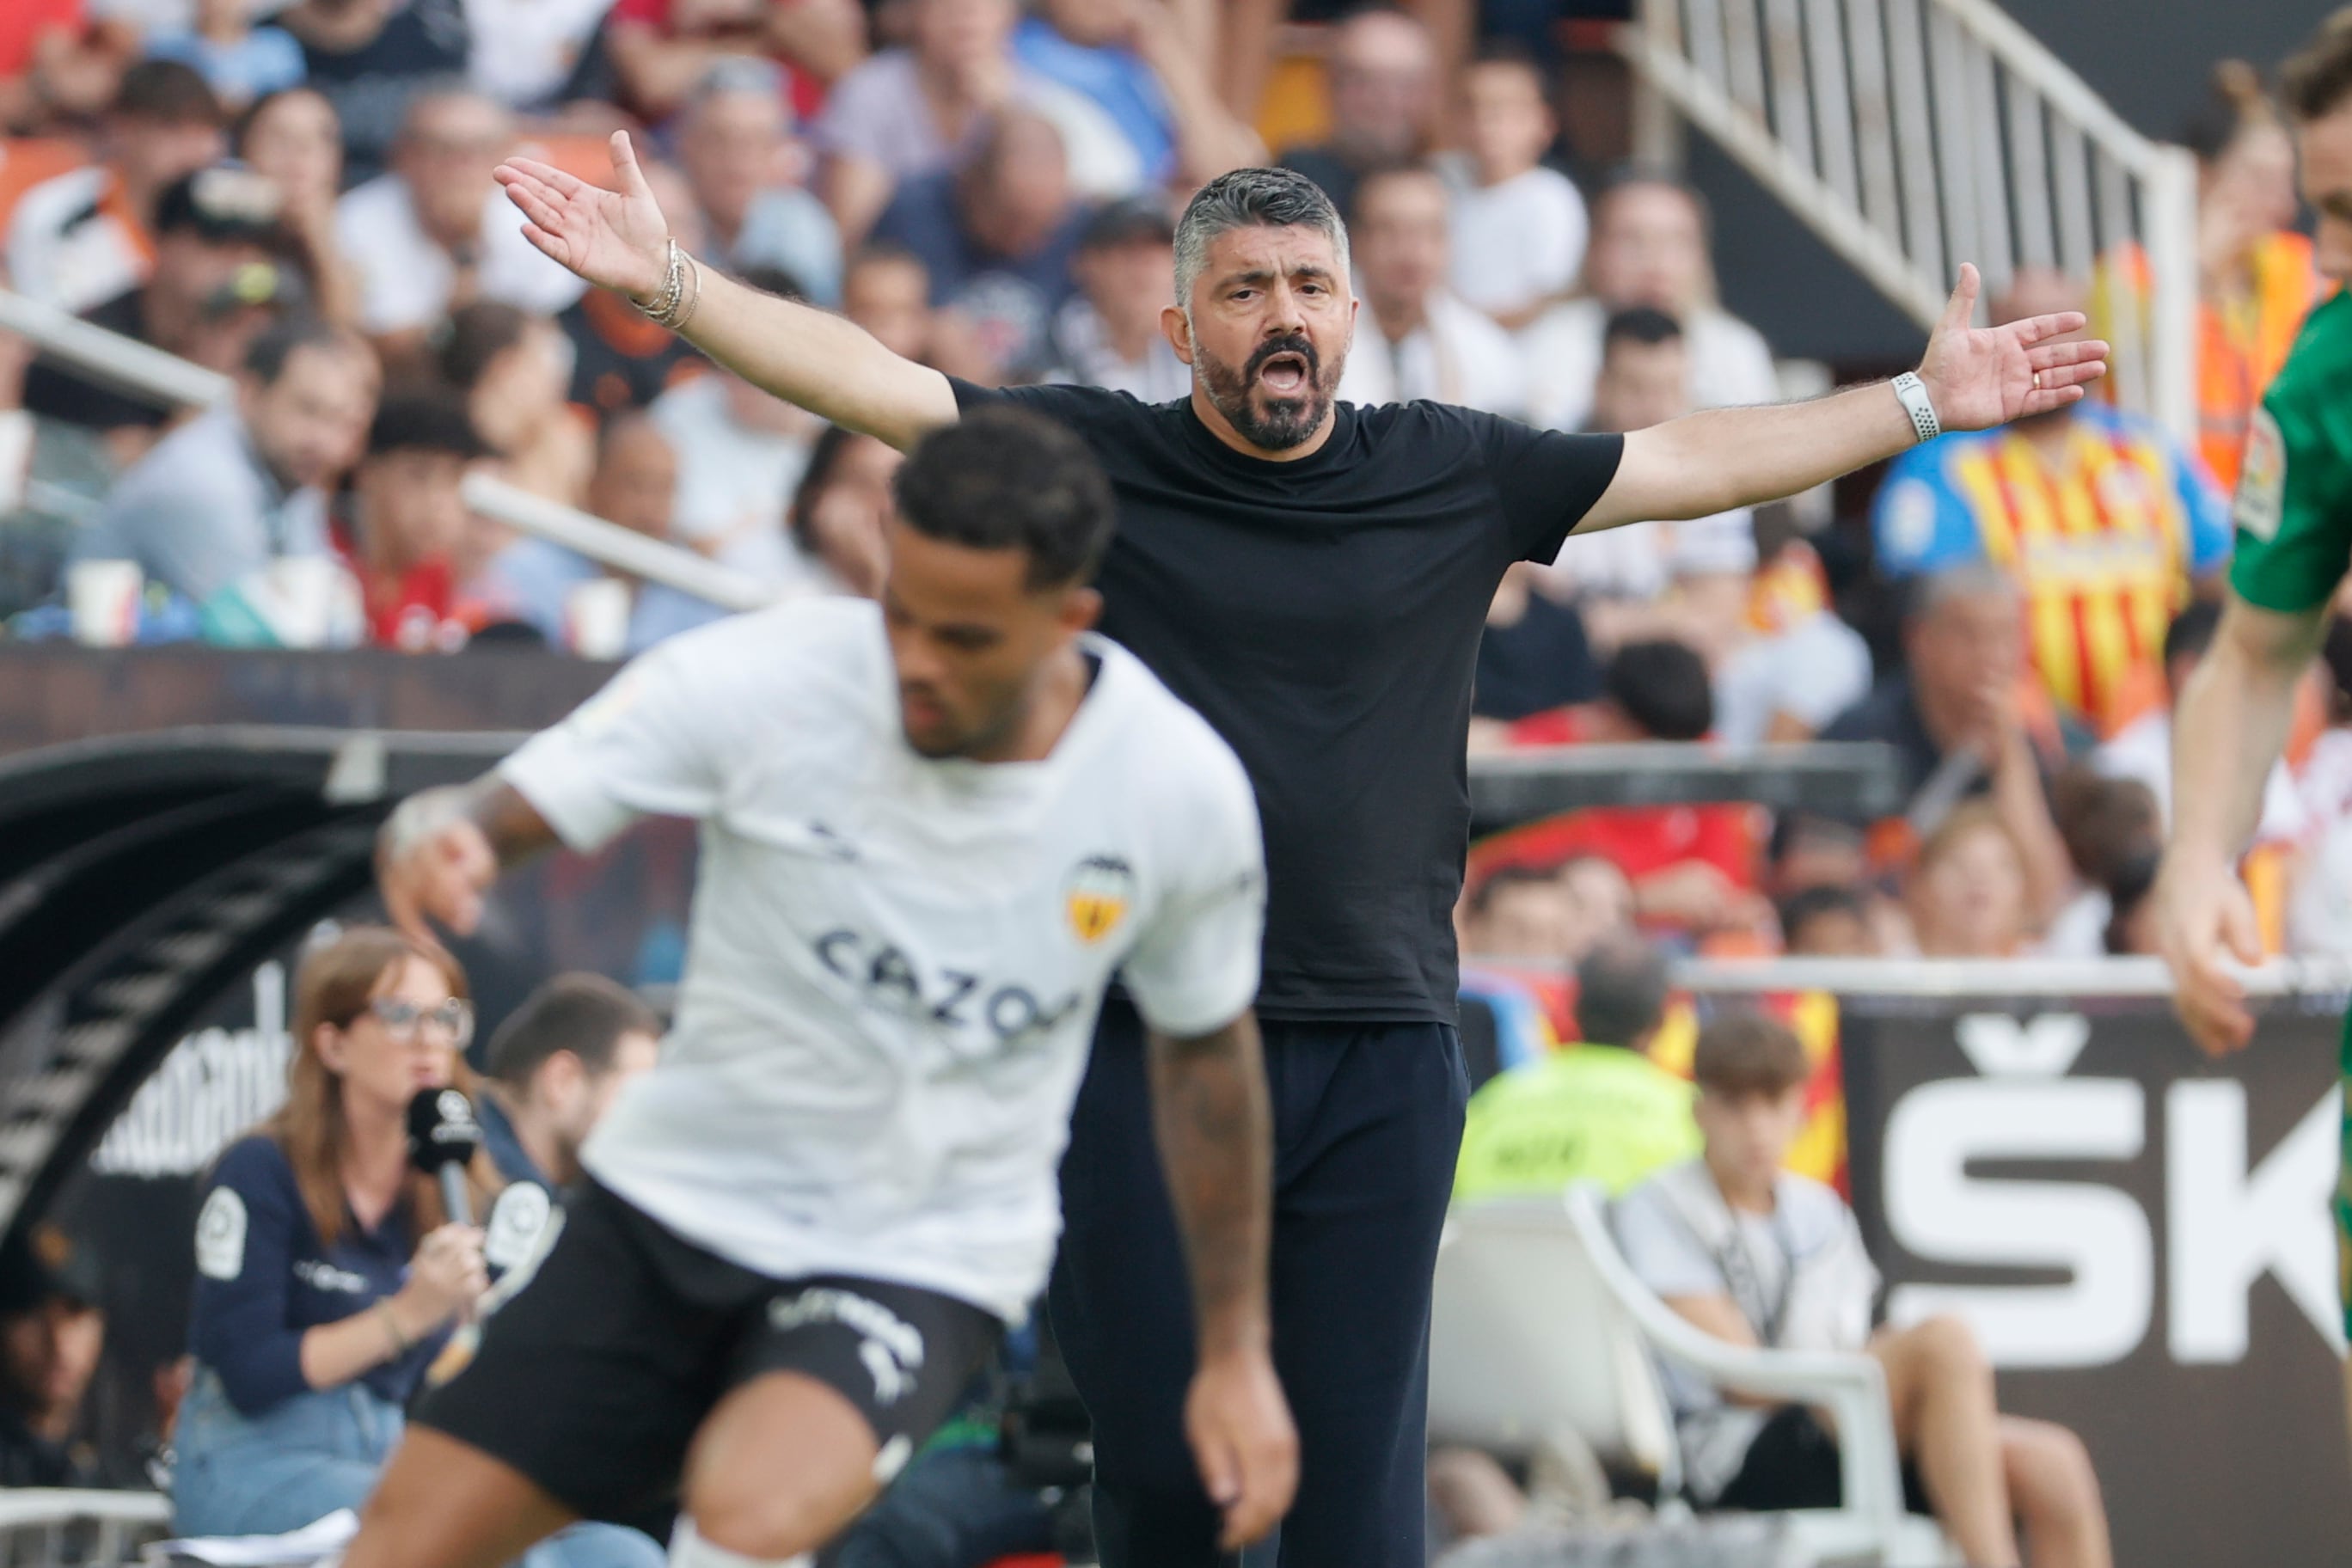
(1131, 61)
(1600, 901)
(218, 279)
(403, 530)
(293, 138)
(1967, 894)
(1692, 868)
(1597, 1112)
(553, 1069)
(1110, 335)
(536, 56)
(886, 290)
(1828, 921)
(514, 369)
(2255, 277)
(52, 1333)
(242, 61)
(1957, 714)
(1649, 248)
(1625, 573)
(2098, 514)
(1385, 96)
(437, 234)
(1534, 655)
(923, 108)
(2319, 909)
(736, 150)
(371, 58)
(2142, 750)
(741, 451)
(1755, 1255)
(842, 508)
(2114, 834)
(57, 62)
(1797, 665)
(327, 1273)
(997, 237)
(636, 487)
(619, 359)
(218, 500)
(1518, 229)
(1517, 912)
(87, 235)
(1414, 339)
(662, 48)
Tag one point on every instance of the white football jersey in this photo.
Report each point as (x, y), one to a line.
(895, 962)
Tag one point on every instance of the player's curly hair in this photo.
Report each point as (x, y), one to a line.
(1005, 480)
(2317, 80)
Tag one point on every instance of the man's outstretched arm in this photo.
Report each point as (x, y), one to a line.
(618, 239)
(1711, 462)
(1216, 1143)
(440, 849)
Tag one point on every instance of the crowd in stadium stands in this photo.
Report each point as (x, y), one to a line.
(300, 196)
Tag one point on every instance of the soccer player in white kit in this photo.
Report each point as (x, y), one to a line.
(931, 831)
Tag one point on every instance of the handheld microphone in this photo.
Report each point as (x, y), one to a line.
(442, 1137)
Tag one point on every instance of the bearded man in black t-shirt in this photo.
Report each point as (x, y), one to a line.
(1313, 577)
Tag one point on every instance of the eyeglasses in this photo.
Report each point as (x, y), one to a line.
(400, 1019)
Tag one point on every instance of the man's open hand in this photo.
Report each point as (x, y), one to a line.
(1242, 1439)
(1981, 376)
(614, 239)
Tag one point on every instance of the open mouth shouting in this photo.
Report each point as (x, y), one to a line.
(1286, 367)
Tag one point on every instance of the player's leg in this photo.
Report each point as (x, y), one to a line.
(2056, 1494)
(446, 1504)
(1940, 1388)
(833, 1384)
(1122, 1314)
(580, 1403)
(1372, 1124)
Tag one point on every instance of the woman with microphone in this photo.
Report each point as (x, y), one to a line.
(329, 1273)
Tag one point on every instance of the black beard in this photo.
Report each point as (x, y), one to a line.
(1283, 422)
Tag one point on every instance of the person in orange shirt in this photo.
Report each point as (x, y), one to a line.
(2255, 281)
(2098, 515)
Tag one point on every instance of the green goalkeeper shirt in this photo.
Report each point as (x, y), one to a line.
(2293, 512)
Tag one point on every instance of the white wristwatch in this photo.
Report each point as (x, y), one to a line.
(1912, 393)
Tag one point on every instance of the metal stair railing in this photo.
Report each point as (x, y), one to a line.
(1912, 135)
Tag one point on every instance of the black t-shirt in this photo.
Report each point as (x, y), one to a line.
(1541, 662)
(1324, 616)
(422, 46)
(54, 390)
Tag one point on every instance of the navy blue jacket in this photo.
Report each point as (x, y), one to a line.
(263, 1279)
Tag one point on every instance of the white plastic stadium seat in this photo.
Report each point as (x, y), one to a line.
(1871, 1527)
(1526, 1341)
(33, 1521)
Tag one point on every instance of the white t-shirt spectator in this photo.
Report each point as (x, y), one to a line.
(69, 247)
(522, 52)
(1812, 672)
(1800, 1275)
(1731, 364)
(2319, 913)
(405, 277)
(1516, 243)
(2142, 750)
(1457, 355)
(1088, 358)
(734, 484)
(1641, 560)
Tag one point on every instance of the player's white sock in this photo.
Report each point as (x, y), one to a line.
(688, 1548)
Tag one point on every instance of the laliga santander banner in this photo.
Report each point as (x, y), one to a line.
(2141, 1238)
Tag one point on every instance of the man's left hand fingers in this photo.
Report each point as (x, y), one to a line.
(2036, 329)
(2045, 356)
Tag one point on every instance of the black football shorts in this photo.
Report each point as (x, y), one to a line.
(592, 1378)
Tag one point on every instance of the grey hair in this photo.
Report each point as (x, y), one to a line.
(1969, 580)
(1251, 198)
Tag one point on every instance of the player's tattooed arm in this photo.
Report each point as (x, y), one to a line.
(1216, 1142)
(440, 849)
